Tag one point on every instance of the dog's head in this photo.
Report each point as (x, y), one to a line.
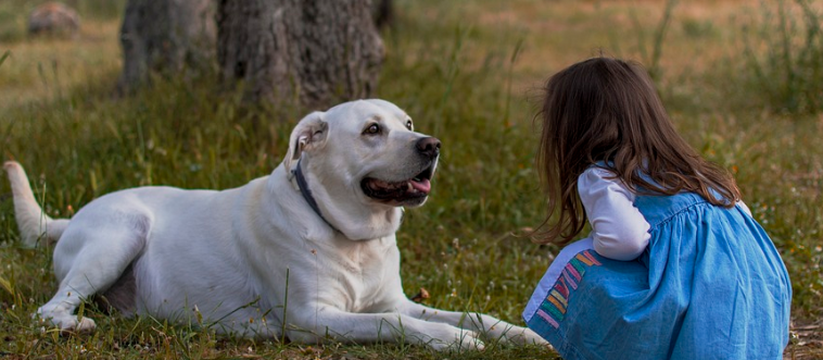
(363, 160)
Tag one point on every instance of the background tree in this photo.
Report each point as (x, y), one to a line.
(316, 51)
(383, 13)
(165, 36)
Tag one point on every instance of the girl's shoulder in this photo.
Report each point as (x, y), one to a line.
(597, 174)
(599, 181)
(600, 169)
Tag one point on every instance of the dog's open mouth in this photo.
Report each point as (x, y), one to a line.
(406, 191)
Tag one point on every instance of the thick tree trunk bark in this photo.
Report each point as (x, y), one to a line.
(165, 36)
(317, 52)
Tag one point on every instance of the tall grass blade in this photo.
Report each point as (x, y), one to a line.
(5, 56)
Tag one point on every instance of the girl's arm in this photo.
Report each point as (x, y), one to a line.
(619, 230)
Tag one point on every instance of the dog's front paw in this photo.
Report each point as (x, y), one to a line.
(460, 340)
(84, 326)
(67, 323)
(523, 336)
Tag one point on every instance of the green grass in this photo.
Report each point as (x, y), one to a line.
(453, 69)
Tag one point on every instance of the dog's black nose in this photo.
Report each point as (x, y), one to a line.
(429, 146)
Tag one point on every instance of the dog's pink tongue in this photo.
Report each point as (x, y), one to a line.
(423, 186)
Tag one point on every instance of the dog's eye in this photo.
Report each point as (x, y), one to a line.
(409, 124)
(372, 130)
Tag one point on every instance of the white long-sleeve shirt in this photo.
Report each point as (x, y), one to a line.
(619, 230)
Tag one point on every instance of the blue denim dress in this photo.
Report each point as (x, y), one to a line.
(710, 285)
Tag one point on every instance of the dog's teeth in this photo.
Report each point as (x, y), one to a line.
(409, 186)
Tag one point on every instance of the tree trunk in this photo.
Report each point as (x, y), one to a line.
(317, 52)
(165, 36)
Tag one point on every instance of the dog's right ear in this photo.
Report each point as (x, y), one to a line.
(309, 134)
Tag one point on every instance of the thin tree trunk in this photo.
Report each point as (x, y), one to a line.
(317, 52)
(383, 13)
(165, 36)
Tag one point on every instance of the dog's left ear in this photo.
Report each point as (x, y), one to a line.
(309, 133)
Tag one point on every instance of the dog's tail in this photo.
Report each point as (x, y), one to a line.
(35, 226)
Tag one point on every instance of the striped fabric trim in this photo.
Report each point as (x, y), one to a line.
(553, 308)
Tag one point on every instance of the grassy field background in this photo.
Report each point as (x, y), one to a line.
(742, 80)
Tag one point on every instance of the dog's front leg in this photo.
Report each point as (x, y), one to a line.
(374, 327)
(488, 326)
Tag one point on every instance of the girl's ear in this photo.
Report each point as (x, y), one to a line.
(309, 133)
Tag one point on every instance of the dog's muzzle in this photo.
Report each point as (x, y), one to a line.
(409, 192)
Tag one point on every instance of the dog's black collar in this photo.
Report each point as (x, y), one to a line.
(306, 192)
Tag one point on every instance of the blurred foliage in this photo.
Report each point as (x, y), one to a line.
(14, 14)
(783, 56)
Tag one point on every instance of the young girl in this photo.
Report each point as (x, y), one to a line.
(674, 267)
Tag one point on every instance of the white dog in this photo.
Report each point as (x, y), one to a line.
(309, 250)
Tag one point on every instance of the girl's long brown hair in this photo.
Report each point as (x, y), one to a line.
(607, 111)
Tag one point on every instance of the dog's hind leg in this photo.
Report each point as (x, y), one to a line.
(89, 259)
